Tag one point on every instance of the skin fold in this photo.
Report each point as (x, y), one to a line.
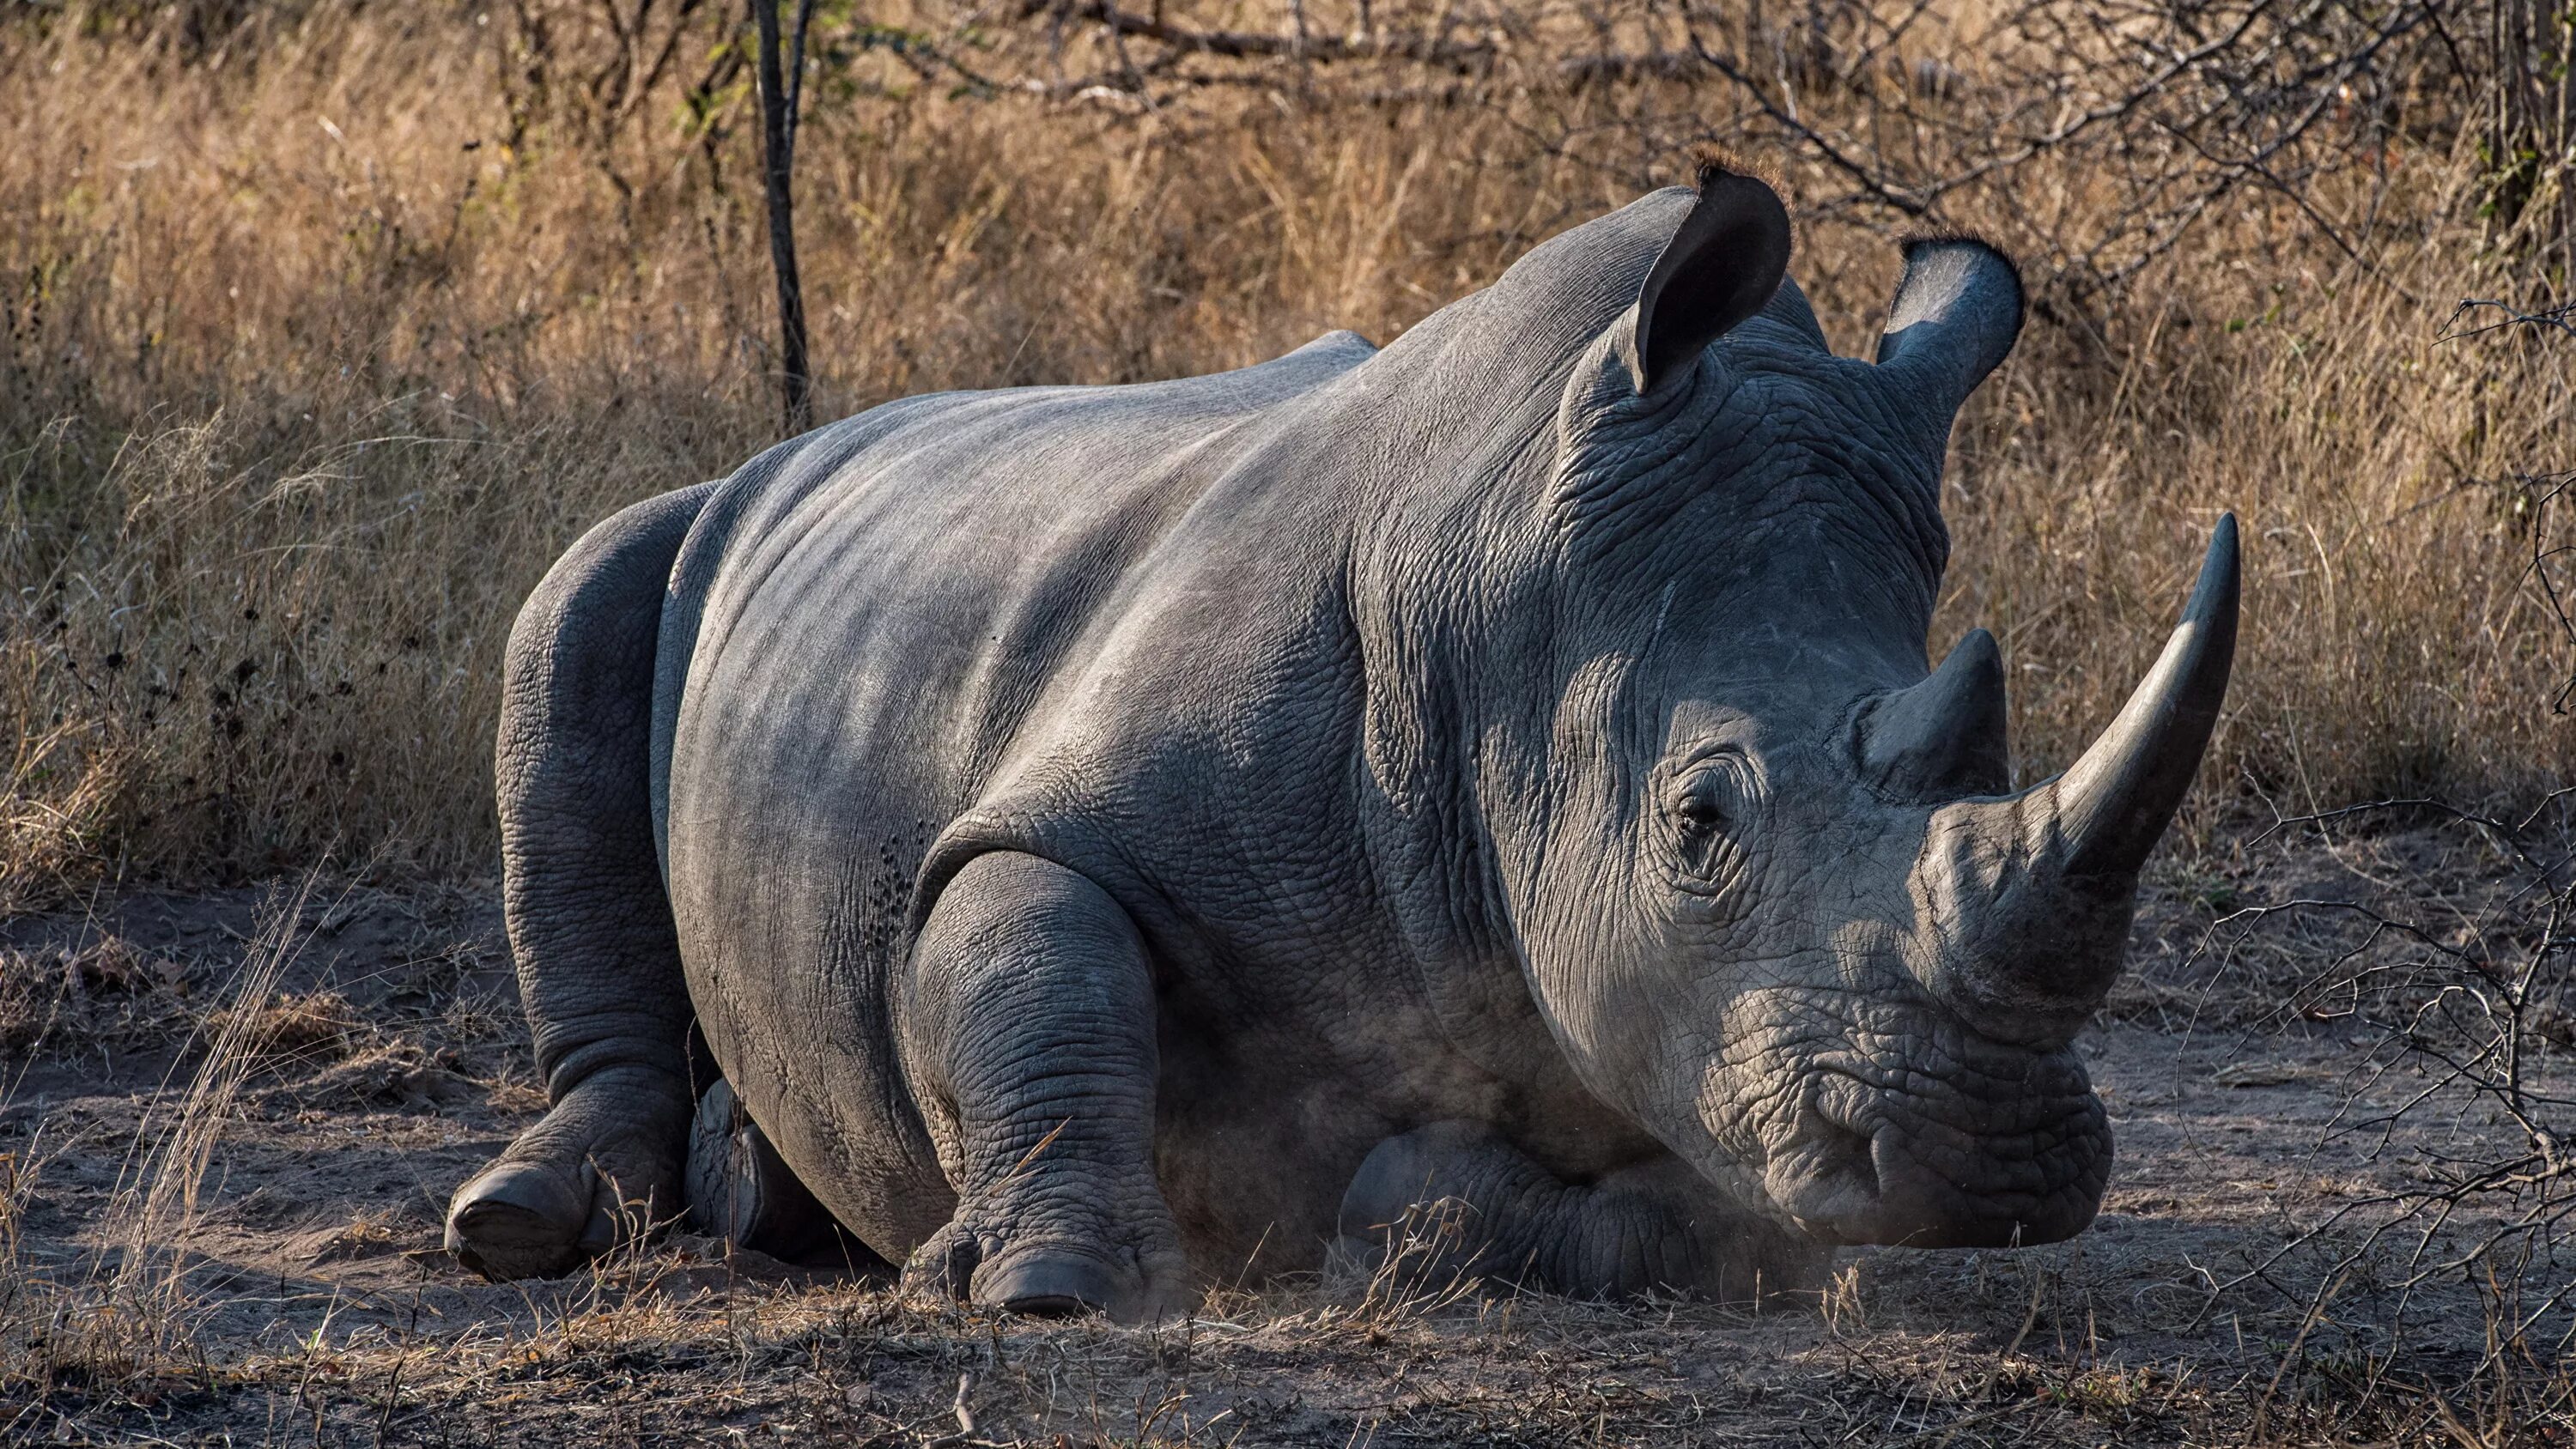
(1113, 839)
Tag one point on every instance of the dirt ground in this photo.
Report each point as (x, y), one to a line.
(263, 1267)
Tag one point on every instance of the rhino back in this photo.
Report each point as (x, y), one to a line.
(1098, 624)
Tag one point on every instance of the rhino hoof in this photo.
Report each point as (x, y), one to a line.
(1053, 1285)
(526, 1220)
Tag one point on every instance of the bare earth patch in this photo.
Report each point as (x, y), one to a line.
(266, 1269)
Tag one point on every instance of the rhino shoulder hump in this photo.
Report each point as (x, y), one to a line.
(1339, 345)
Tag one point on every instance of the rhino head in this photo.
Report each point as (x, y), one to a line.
(1765, 874)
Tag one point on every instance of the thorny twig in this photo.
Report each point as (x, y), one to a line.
(2561, 318)
(2467, 1013)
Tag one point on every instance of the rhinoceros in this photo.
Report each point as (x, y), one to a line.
(1113, 838)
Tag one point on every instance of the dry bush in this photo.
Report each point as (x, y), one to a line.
(2440, 963)
(329, 326)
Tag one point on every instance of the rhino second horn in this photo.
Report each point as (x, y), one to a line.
(1946, 736)
(2116, 800)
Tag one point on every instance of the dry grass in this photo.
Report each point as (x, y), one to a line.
(129, 1310)
(325, 332)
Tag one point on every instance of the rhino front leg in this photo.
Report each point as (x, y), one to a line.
(1027, 1026)
(1485, 1208)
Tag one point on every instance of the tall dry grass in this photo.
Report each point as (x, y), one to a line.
(126, 1307)
(329, 325)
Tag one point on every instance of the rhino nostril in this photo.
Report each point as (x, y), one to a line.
(1828, 1177)
(1834, 1131)
(1849, 1148)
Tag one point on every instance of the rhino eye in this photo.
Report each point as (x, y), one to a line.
(1704, 811)
(1700, 814)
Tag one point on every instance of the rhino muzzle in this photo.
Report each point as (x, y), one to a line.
(2008, 1158)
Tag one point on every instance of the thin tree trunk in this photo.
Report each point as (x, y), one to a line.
(2533, 185)
(781, 90)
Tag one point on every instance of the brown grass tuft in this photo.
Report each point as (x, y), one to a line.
(1709, 161)
(319, 1026)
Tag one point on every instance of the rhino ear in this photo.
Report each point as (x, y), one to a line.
(1954, 319)
(1722, 265)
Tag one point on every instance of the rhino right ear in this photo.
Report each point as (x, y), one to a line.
(1722, 265)
(1955, 316)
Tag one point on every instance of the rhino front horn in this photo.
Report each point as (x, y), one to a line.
(2116, 801)
(2023, 903)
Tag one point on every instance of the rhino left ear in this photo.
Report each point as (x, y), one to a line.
(1722, 265)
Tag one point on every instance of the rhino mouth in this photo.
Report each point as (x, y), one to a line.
(2002, 1160)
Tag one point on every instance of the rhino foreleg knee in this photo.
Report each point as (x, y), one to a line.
(1028, 1034)
(1455, 1198)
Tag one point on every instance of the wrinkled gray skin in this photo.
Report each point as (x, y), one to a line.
(1113, 838)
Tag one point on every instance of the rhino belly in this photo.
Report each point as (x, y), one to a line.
(789, 929)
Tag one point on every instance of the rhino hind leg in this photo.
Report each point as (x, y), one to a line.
(1029, 1037)
(1455, 1199)
(739, 1189)
(590, 927)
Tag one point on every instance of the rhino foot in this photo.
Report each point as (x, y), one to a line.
(1455, 1199)
(586, 1178)
(739, 1189)
(1140, 1284)
(1056, 1285)
(528, 1220)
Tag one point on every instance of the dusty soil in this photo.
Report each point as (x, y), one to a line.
(298, 1294)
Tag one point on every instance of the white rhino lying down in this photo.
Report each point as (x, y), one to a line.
(1111, 836)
